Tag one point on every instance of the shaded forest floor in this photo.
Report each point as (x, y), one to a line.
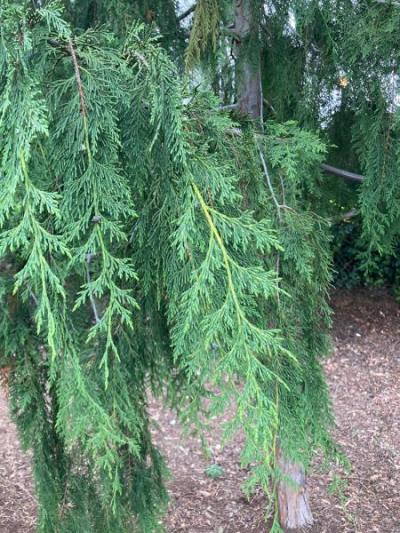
(364, 378)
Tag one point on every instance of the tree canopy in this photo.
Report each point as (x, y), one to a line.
(165, 230)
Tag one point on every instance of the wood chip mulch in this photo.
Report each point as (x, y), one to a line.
(364, 379)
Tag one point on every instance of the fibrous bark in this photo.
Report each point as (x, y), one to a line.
(248, 72)
(294, 508)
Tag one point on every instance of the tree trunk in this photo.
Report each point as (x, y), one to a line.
(294, 509)
(248, 71)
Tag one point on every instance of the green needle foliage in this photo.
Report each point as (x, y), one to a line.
(151, 245)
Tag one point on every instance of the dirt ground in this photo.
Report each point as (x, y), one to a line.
(363, 375)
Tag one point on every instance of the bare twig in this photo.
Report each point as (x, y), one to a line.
(78, 78)
(186, 13)
(345, 216)
(268, 103)
(89, 258)
(283, 190)
(268, 179)
(342, 173)
(228, 107)
(278, 208)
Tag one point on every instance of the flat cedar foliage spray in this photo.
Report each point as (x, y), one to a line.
(153, 242)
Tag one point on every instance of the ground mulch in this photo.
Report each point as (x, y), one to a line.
(17, 503)
(363, 375)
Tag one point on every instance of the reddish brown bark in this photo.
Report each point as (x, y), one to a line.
(294, 508)
(248, 72)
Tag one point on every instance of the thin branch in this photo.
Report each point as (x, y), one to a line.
(89, 257)
(350, 214)
(278, 208)
(78, 78)
(186, 13)
(270, 106)
(268, 178)
(345, 216)
(83, 109)
(283, 190)
(342, 173)
(228, 107)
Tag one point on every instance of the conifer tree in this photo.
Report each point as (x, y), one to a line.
(164, 230)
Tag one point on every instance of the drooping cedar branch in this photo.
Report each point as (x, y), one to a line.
(293, 506)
